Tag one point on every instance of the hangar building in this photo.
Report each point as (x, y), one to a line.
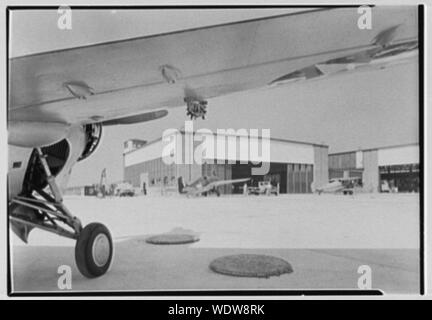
(293, 165)
(394, 168)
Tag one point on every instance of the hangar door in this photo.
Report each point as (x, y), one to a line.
(299, 178)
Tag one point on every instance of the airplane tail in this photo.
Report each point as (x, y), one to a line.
(384, 38)
(314, 189)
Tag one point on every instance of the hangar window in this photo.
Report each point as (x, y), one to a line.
(400, 178)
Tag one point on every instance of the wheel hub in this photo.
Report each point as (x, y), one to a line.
(101, 250)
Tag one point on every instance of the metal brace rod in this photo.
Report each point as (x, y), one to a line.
(35, 200)
(51, 228)
(25, 203)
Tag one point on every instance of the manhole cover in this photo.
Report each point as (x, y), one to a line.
(172, 239)
(250, 265)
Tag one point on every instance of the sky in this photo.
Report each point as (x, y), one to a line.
(351, 111)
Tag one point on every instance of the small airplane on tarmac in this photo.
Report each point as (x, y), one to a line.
(205, 185)
(343, 185)
(264, 187)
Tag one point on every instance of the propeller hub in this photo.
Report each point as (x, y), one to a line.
(195, 108)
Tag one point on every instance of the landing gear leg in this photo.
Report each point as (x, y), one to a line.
(94, 247)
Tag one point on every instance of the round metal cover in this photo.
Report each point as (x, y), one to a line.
(250, 265)
(172, 239)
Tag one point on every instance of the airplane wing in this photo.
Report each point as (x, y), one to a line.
(127, 81)
(224, 182)
(349, 179)
(215, 184)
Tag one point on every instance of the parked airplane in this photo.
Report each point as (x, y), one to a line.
(205, 185)
(343, 185)
(264, 187)
(58, 101)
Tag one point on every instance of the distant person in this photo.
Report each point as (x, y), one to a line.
(164, 185)
(181, 185)
(144, 188)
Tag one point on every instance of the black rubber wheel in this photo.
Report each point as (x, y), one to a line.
(94, 250)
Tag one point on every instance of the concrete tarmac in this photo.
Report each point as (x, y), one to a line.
(325, 238)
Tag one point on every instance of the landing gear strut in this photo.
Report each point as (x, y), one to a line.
(94, 247)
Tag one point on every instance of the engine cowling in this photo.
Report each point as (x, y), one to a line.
(33, 134)
(25, 170)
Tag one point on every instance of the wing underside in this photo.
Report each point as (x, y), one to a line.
(108, 81)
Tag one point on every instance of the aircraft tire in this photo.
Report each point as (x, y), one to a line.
(94, 250)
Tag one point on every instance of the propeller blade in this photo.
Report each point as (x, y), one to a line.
(148, 116)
